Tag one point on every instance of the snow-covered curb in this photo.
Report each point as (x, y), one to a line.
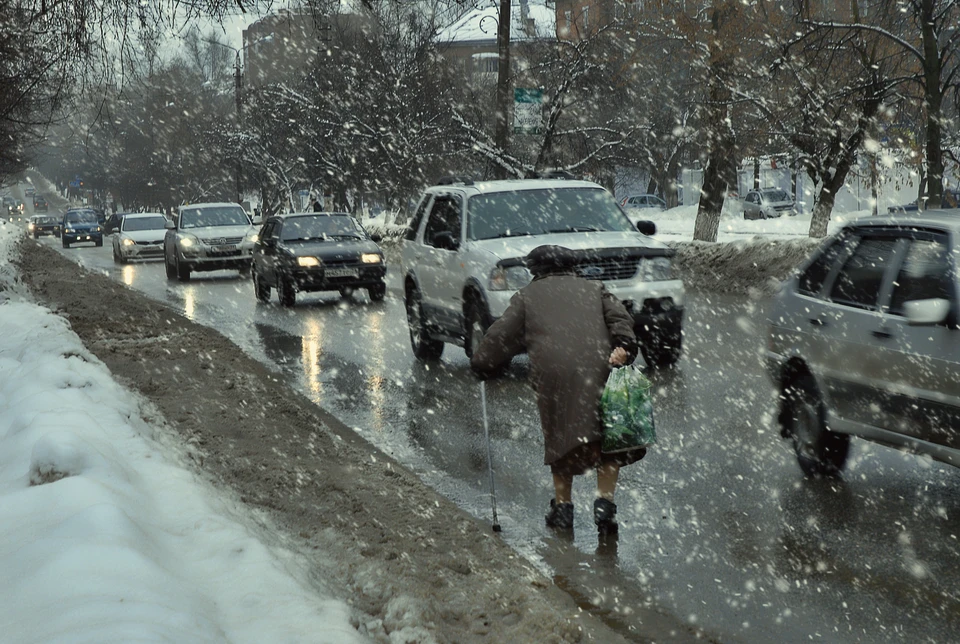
(750, 266)
(104, 537)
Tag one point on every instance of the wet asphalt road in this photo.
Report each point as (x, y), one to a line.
(720, 530)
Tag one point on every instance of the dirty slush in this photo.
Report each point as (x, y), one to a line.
(408, 558)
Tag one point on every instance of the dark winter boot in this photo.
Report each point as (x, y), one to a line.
(605, 516)
(560, 515)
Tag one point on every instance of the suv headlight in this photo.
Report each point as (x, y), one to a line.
(189, 241)
(512, 278)
(656, 269)
(251, 238)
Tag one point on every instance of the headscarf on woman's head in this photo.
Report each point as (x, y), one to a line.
(544, 260)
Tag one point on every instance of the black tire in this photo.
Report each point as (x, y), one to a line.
(287, 292)
(36, 235)
(424, 347)
(116, 257)
(98, 243)
(65, 243)
(378, 292)
(819, 451)
(476, 322)
(183, 272)
(170, 268)
(662, 352)
(260, 290)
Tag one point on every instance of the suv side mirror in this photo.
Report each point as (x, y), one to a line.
(647, 227)
(169, 225)
(376, 238)
(446, 241)
(926, 312)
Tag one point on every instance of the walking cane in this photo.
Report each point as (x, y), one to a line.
(486, 434)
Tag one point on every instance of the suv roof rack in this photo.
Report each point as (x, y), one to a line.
(452, 179)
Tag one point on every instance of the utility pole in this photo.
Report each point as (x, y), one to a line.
(238, 88)
(502, 131)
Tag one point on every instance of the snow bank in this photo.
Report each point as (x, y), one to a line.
(753, 266)
(677, 223)
(103, 536)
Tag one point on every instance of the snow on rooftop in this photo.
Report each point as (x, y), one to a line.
(480, 24)
(105, 536)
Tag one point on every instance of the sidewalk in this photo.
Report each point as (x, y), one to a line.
(105, 534)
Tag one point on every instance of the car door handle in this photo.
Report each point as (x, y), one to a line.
(817, 322)
(883, 335)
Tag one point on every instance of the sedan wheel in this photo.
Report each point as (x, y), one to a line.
(261, 290)
(819, 451)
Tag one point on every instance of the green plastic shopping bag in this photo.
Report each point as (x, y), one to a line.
(626, 409)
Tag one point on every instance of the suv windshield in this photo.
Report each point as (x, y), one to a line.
(82, 217)
(213, 216)
(540, 212)
(320, 227)
(775, 195)
(144, 223)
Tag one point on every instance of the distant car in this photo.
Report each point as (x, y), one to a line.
(40, 204)
(29, 191)
(208, 237)
(43, 225)
(951, 199)
(323, 251)
(140, 237)
(767, 203)
(643, 202)
(865, 341)
(80, 225)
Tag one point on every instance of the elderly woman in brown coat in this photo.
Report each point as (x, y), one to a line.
(574, 331)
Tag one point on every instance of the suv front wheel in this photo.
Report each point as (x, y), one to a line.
(424, 347)
(820, 452)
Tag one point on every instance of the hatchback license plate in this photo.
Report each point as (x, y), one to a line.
(341, 272)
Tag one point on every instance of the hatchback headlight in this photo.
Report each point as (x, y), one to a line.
(656, 269)
(308, 262)
(69, 230)
(128, 242)
(370, 258)
(512, 278)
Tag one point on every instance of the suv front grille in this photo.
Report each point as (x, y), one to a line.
(609, 268)
(222, 241)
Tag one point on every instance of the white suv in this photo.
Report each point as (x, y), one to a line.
(208, 237)
(865, 341)
(462, 259)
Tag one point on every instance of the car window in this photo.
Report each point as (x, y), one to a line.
(775, 196)
(657, 201)
(82, 216)
(812, 278)
(144, 223)
(414, 225)
(269, 230)
(924, 274)
(320, 227)
(858, 283)
(213, 216)
(444, 217)
(543, 211)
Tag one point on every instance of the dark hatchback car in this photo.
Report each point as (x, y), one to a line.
(80, 226)
(40, 204)
(43, 225)
(320, 251)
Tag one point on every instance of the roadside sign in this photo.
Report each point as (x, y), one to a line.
(527, 111)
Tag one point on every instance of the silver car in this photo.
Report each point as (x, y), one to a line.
(864, 341)
(208, 237)
(767, 203)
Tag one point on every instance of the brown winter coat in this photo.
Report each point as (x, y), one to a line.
(568, 326)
